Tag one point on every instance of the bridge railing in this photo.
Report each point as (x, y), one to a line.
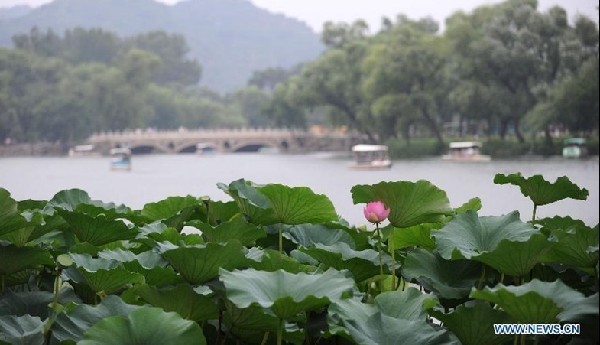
(150, 133)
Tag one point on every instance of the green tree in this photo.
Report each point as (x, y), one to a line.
(250, 102)
(406, 78)
(90, 45)
(172, 50)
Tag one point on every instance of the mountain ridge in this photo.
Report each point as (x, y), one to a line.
(230, 38)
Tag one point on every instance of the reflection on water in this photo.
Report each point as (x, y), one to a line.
(155, 177)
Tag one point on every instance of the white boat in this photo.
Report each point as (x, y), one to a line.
(203, 149)
(83, 151)
(120, 158)
(371, 157)
(574, 148)
(466, 151)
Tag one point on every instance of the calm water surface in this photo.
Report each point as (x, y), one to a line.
(155, 177)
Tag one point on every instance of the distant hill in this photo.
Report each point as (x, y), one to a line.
(230, 38)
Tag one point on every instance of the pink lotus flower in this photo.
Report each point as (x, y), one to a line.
(376, 212)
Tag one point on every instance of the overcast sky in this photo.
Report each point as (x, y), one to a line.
(316, 12)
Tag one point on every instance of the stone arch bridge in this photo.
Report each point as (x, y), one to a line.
(224, 140)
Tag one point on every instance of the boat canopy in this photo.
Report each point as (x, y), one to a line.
(120, 151)
(369, 148)
(464, 144)
(84, 148)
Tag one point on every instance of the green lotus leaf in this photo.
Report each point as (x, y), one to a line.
(542, 192)
(34, 303)
(119, 255)
(473, 324)
(151, 228)
(181, 299)
(10, 217)
(72, 324)
(44, 225)
(410, 304)
(285, 294)
(169, 207)
(410, 203)
(21, 236)
(383, 329)
(307, 235)
(176, 237)
(517, 258)
(91, 264)
(19, 278)
(220, 212)
(298, 205)
(249, 325)
(469, 235)
(111, 210)
(413, 236)
(201, 264)
(146, 326)
(21, 330)
(109, 281)
(246, 191)
(30, 204)
(576, 243)
(276, 203)
(362, 264)
(272, 260)
(474, 204)
(149, 264)
(98, 230)
(69, 199)
(351, 309)
(155, 276)
(14, 259)
(236, 228)
(101, 275)
(250, 201)
(539, 302)
(448, 279)
(348, 309)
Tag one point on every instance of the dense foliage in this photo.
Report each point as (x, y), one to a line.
(498, 70)
(55, 88)
(276, 265)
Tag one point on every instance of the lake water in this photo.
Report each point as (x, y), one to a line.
(155, 177)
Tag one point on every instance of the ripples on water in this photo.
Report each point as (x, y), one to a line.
(155, 177)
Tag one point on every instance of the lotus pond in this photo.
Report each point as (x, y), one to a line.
(277, 265)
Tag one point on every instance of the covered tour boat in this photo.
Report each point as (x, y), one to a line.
(371, 157)
(120, 158)
(465, 151)
(574, 148)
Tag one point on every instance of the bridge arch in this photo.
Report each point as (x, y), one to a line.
(148, 147)
(189, 146)
(252, 146)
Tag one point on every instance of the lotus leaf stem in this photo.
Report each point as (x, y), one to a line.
(280, 332)
(380, 255)
(279, 230)
(57, 283)
(481, 280)
(265, 339)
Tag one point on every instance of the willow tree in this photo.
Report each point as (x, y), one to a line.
(406, 77)
(513, 49)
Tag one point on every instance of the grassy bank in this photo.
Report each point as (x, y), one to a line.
(495, 147)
